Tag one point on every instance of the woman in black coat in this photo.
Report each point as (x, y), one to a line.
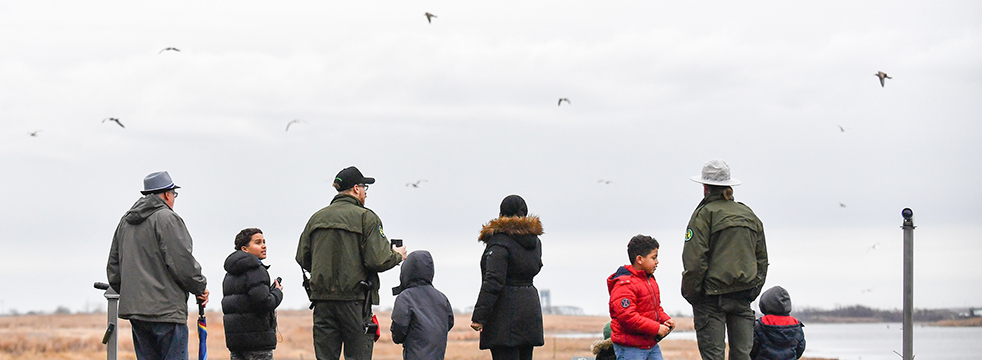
(507, 312)
(249, 301)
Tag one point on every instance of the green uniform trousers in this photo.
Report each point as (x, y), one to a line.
(719, 317)
(338, 323)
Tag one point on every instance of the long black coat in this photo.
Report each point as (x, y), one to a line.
(508, 305)
(249, 304)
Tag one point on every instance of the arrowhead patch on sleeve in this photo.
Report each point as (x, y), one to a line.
(625, 303)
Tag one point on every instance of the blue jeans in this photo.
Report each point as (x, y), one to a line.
(632, 353)
(160, 340)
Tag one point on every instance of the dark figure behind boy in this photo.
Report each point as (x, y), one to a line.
(249, 301)
(777, 335)
(421, 316)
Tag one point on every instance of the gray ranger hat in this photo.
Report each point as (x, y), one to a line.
(155, 182)
(716, 172)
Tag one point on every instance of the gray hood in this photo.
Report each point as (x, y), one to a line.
(775, 301)
(416, 270)
(143, 208)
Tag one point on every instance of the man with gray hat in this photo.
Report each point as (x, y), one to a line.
(344, 248)
(151, 267)
(725, 262)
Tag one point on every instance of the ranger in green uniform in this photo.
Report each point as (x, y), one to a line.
(342, 245)
(725, 261)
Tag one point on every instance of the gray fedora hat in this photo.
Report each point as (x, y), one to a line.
(155, 182)
(716, 172)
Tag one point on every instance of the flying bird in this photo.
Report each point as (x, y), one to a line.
(563, 99)
(605, 182)
(429, 18)
(872, 247)
(35, 133)
(294, 121)
(841, 129)
(115, 120)
(169, 49)
(415, 184)
(842, 205)
(883, 76)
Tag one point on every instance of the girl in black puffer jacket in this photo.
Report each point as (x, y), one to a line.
(249, 302)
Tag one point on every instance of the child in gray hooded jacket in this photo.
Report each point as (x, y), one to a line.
(421, 316)
(777, 334)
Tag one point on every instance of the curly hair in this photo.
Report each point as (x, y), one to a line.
(245, 236)
(640, 245)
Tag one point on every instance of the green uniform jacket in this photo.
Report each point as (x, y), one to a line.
(341, 245)
(724, 250)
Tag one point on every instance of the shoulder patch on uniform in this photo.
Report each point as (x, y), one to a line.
(688, 234)
(381, 232)
(625, 303)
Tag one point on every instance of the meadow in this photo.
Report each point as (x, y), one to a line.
(79, 336)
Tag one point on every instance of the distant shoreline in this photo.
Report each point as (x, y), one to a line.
(859, 320)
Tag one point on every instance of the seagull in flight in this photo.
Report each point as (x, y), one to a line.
(415, 184)
(872, 247)
(34, 133)
(115, 120)
(842, 204)
(169, 49)
(429, 18)
(294, 121)
(605, 182)
(841, 129)
(563, 99)
(883, 76)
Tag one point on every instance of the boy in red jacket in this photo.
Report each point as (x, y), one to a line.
(638, 321)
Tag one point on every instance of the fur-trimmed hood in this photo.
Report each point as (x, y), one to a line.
(599, 345)
(515, 227)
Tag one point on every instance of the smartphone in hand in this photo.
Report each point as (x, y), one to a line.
(396, 242)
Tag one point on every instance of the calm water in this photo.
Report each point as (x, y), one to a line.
(878, 341)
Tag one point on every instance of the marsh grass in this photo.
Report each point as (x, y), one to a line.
(79, 336)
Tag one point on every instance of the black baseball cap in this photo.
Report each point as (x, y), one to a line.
(349, 177)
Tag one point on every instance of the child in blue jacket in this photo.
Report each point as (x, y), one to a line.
(421, 316)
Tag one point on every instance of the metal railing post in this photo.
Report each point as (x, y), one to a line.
(112, 319)
(908, 227)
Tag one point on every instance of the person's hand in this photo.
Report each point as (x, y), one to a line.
(477, 326)
(401, 250)
(671, 324)
(277, 285)
(663, 330)
(203, 298)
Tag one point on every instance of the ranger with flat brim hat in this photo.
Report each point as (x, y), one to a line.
(725, 265)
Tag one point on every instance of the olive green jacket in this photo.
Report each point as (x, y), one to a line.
(724, 250)
(342, 245)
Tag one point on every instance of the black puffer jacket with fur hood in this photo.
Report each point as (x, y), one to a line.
(508, 304)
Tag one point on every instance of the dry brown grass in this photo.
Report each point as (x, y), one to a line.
(959, 322)
(76, 337)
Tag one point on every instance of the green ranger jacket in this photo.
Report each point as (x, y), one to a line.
(724, 250)
(342, 245)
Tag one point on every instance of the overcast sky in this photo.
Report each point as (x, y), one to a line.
(469, 103)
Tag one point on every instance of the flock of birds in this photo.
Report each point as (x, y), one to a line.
(429, 19)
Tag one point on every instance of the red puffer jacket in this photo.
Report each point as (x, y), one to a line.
(635, 308)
